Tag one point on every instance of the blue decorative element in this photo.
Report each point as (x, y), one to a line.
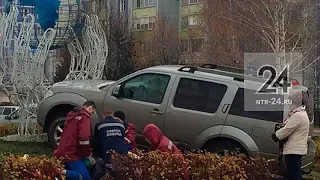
(48, 17)
(7, 6)
(47, 11)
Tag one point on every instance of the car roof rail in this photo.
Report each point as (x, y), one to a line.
(230, 69)
(190, 69)
(237, 73)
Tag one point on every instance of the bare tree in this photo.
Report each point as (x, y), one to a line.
(222, 36)
(284, 26)
(270, 20)
(159, 45)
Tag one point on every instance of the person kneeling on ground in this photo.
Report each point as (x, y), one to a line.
(74, 145)
(158, 141)
(130, 131)
(109, 136)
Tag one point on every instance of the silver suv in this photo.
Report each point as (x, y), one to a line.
(196, 107)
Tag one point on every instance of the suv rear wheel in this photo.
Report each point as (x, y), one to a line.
(223, 147)
(55, 131)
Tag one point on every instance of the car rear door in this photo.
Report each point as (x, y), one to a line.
(195, 105)
(143, 98)
(259, 125)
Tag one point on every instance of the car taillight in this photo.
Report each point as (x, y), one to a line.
(295, 83)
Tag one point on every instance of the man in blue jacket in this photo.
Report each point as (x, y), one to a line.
(109, 135)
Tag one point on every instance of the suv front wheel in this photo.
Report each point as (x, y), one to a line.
(55, 132)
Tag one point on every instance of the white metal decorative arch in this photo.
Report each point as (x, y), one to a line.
(88, 61)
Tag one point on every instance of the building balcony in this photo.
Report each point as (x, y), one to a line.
(190, 9)
(144, 12)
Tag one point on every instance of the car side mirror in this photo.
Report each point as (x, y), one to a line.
(7, 117)
(116, 91)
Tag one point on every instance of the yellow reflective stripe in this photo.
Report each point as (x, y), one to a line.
(84, 142)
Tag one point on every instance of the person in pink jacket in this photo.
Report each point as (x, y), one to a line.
(158, 141)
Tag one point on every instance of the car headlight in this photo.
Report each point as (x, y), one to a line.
(48, 94)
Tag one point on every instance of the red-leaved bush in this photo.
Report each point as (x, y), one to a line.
(156, 165)
(152, 165)
(28, 168)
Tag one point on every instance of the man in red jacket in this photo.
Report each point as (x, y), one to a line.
(130, 133)
(74, 144)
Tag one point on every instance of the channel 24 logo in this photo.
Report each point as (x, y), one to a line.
(275, 80)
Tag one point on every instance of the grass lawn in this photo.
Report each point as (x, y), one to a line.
(315, 175)
(21, 148)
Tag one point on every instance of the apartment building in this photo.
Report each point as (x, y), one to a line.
(191, 36)
(143, 14)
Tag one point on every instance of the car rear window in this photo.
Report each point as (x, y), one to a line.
(199, 95)
(237, 109)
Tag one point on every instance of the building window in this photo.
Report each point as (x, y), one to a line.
(145, 23)
(144, 3)
(192, 45)
(190, 21)
(122, 6)
(185, 46)
(195, 1)
(186, 2)
(25, 12)
(184, 22)
(196, 45)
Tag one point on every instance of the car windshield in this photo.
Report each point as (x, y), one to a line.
(1, 111)
(15, 113)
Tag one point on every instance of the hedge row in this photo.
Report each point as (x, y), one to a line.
(156, 165)
(8, 129)
(28, 168)
(151, 165)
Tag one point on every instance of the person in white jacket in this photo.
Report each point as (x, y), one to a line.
(295, 132)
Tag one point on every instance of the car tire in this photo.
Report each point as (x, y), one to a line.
(52, 134)
(223, 147)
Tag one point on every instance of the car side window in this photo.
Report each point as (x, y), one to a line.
(1, 111)
(146, 87)
(237, 108)
(199, 95)
(6, 111)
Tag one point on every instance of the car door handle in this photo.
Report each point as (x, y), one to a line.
(225, 108)
(156, 112)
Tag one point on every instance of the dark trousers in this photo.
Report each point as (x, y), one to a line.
(109, 167)
(293, 163)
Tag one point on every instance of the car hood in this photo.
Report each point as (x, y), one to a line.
(82, 84)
